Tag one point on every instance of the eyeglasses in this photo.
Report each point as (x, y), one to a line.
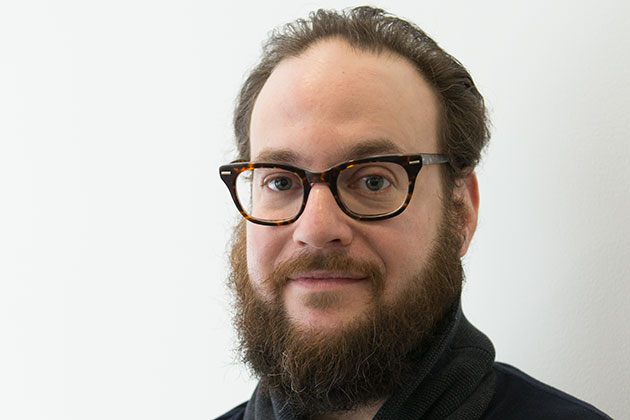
(373, 188)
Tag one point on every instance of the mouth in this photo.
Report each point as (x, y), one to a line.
(319, 280)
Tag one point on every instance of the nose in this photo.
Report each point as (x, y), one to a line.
(322, 225)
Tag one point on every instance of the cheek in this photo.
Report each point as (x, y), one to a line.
(404, 252)
(264, 244)
(411, 237)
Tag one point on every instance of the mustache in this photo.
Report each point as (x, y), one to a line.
(338, 262)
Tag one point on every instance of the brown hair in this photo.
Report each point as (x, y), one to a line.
(463, 123)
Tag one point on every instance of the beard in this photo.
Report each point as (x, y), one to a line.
(363, 361)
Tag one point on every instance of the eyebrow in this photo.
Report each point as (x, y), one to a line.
(277, 156)
(372, 147)
(360, 150)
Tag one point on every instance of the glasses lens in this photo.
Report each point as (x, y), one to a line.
(373, 188)
(270, 194)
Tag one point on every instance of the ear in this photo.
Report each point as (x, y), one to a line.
(467, 193)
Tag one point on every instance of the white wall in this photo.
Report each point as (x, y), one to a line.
(115, 115)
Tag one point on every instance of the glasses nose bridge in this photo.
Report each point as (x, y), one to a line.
(326, 177)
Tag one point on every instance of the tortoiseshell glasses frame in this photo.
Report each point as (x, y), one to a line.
(412, 164)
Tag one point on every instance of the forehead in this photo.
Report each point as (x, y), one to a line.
(334, 103)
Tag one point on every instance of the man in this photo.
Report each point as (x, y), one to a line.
(358, 138)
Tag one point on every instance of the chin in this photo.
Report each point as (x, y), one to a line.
(331, 320)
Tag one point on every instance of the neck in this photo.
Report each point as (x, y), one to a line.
(364, 412)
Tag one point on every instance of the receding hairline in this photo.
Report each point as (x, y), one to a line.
(376, 49)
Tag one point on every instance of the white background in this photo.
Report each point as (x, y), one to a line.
(114, 116)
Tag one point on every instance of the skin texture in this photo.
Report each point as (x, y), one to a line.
(330, 104)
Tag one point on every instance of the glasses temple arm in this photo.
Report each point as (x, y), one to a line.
(433, 158)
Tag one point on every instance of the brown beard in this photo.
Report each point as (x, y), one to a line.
(322, 371)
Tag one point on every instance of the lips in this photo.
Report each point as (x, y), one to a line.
(325, 279)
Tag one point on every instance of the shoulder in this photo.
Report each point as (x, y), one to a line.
(519, 396)
(234, 414)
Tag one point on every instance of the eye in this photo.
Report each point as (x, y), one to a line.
(280, 183)
(370, 178)
(375, 182)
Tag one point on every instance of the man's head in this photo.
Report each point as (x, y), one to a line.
(332, 310)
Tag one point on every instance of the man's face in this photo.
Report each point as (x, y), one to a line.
(328, 105)
(309, 291)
